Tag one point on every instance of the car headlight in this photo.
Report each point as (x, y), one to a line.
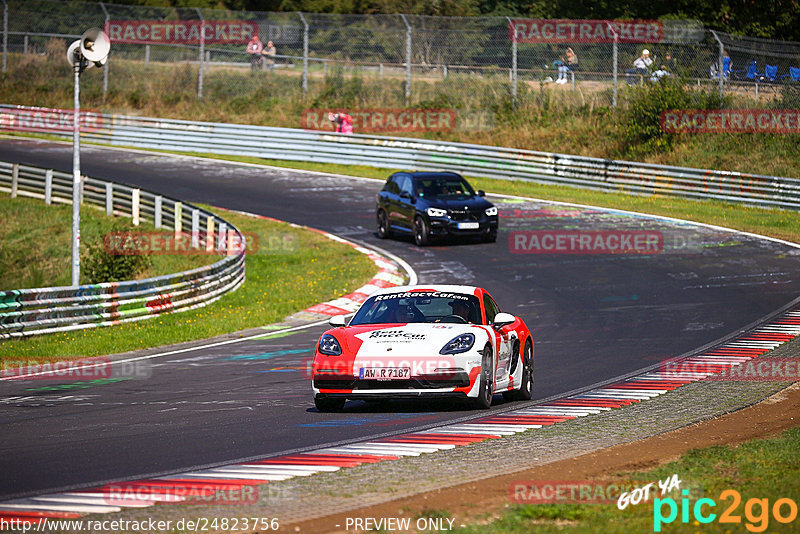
(460, 343)
(491, 211)
(436, 212)
(328, 345)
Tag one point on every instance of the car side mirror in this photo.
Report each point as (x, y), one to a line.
(338, 320)
(481, 193)
(503, 319)
(405, 194)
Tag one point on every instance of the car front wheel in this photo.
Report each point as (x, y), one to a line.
(421, 232)
(486, 388)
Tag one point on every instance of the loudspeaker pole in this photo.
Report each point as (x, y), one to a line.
(76, 173)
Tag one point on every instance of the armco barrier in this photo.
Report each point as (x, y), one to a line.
(25, 312)
(408, 153)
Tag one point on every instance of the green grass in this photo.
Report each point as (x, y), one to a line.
(544, 117)
(39, 255)
(293, 269)
(759, 469)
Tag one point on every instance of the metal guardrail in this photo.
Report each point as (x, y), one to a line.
(25, 312)
(418, 154)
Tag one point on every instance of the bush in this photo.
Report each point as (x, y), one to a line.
(98, 266)
(640, 120)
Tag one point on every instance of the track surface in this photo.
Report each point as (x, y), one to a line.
(594, 317)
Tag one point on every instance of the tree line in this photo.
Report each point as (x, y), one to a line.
(773, 19)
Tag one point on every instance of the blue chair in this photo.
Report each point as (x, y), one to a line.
(770, 73)
(794, 74)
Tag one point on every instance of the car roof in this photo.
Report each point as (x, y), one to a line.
(441, 288)
(426, 174)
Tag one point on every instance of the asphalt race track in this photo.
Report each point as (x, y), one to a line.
(594, 317)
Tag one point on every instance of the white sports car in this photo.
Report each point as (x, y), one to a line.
(424, 341)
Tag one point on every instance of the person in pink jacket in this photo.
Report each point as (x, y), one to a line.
(254, 48)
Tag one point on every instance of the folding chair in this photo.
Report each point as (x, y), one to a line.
(770, 73)
(794, 74)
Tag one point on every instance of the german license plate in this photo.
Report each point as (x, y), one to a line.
(385, 373)
(468, 226)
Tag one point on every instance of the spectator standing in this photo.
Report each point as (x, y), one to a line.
(254, 48)
(270, 52)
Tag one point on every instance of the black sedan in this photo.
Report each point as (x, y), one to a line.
(429, 205)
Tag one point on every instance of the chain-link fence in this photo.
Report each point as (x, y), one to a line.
(394, 61)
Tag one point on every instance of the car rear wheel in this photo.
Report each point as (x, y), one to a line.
(383, 225)
(421, 232)
(329, 404)
(525, 391)
(486, 388)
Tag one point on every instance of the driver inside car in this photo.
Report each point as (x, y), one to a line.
(462, 309)
(404, 314)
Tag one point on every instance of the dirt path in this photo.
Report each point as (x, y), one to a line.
(775, 414)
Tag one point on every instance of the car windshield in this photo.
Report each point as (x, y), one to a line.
(419, 307)
(443, 187)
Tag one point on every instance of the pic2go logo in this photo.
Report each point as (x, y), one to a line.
(756, 511)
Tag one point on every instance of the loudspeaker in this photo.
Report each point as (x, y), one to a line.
(73, 48)
(95, 46)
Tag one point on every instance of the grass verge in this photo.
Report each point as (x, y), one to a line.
(292, 269)
(39, 255)
(762, 472)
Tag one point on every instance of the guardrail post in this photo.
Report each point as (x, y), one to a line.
(408, 58)
(223, 233)
(210, 233)
(158, 200)
(135, 206)
(109, 198)
(147, 55)
(177, 213)
(25, 44)
(231, 244)
(14, 179)
(48, 187)
(195, 228)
